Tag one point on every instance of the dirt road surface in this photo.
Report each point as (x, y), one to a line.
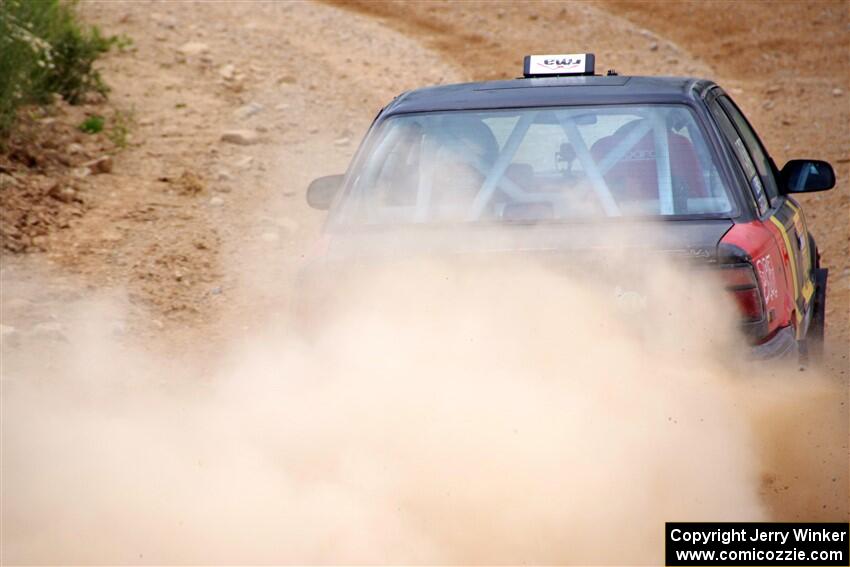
(181, 221)
(307, 78)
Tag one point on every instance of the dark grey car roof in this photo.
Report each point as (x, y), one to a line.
(550, 91)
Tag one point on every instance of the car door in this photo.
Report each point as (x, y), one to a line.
(780, 210)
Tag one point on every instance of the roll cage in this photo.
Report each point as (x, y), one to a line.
(694, 97)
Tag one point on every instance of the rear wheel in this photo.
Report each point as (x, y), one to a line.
(815, 336)
(811, 348)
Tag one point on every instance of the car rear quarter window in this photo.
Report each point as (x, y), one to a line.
(744, 159)
(754, 147)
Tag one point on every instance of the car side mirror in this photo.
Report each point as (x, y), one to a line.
(806, 176)
(322, 190)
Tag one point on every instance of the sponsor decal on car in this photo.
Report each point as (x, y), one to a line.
(562, 64)
(767, 277)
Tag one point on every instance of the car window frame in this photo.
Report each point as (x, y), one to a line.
(762, 211)
(753, 145)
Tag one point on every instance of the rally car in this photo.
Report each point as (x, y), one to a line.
(569, 153)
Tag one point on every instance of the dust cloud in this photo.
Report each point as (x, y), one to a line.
(446, 414)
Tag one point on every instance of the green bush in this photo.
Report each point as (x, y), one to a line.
(45, 50)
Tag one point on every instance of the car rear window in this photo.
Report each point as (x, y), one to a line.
(535, 164)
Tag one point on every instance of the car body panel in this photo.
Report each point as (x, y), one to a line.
(758, 244)
(695, 239)
(791, 230)
(524, 93)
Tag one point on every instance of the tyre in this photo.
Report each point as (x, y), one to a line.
(815, 336)
(811, 348)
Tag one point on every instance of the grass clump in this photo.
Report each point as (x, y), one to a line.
(93, 124)
(46, 51)
(119, 131)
